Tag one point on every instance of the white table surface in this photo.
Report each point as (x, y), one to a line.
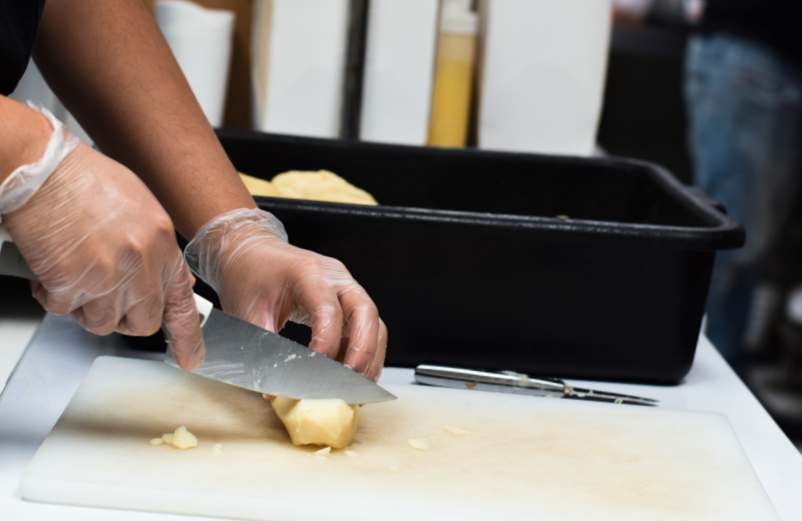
(46, 378)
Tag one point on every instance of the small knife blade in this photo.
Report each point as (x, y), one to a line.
(242, 354)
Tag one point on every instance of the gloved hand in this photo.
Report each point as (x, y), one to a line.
(244, 255)
(102, 247)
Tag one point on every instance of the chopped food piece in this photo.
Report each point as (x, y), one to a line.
(218, 448)
(350, 453)
(418, 443)
(455, 431)
(325, 451)
(180, 439)
(317, 422)
(320, 186)
(258, 186)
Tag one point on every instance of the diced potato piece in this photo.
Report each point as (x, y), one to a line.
(455, 431)
(418, 443)
(317, 422)
(180, 439)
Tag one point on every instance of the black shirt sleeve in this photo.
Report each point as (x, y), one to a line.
(18, 22)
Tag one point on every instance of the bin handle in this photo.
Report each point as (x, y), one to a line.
(705, 200)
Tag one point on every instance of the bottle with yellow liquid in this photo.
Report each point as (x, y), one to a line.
(453, 83)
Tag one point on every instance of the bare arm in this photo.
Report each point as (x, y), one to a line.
(111, 67)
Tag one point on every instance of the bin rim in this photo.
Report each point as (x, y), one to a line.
(718, 231)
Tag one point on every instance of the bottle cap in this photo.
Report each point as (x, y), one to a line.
(457, 17)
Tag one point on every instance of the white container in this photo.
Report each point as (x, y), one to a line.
(201, 41)
(399, 71)
(299, 65)
(543, 74)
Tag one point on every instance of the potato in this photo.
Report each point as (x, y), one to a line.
(419, 443)
(330, 423)
(180, 439)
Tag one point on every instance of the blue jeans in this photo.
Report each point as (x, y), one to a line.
(745, 115)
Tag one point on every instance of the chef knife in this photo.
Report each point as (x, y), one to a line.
(241, 354)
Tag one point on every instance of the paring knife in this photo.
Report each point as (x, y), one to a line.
(517, 383)
(241, 354)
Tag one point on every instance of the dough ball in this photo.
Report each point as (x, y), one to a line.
(331, 423)
(258, 186)
(320, 186)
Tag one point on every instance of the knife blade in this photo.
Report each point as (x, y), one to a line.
(11, 261)
(244, 355)
(518, 383)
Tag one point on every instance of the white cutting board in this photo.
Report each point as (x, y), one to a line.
(523, 457)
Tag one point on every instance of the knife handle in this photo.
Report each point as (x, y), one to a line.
(204, 308)
(12, 263)
(443, 376)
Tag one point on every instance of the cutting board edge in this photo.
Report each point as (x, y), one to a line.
(79, 494)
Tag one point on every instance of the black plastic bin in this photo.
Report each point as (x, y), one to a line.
(592, 268)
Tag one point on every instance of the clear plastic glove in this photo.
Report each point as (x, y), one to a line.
(102, 247)
(244, 255)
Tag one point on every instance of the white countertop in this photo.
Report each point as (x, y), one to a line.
(46, 378)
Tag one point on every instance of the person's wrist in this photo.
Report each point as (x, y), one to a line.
(228, 230)
(25, 136)
(25, 180)
(241, 220)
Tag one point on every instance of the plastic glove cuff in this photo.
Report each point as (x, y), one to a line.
(25, 180)
(201, 250)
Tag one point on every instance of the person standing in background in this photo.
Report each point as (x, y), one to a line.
(664, 12)
(743, 92)
(744, 100)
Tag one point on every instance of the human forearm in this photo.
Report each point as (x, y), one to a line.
(24, 133)
(110, 65)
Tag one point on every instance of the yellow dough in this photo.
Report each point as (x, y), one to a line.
(320, 186)
(258, 186)
(331, 423)
(180, 439)
(314, 186)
